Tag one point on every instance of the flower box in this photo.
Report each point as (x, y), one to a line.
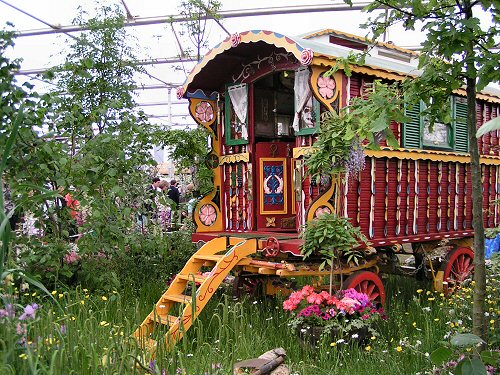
(347, 315)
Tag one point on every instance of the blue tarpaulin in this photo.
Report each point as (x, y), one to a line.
(492, 246)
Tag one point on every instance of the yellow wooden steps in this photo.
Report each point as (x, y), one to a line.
(177, 298)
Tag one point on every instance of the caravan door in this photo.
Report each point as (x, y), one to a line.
(275, 199)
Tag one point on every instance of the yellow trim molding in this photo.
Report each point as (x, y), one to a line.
(417, 154)
(234, 158)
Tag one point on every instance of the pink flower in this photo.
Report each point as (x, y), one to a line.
(326, 87)
(180, 92)
(289, 305)
(204, 112)
(315, 298)
(235, 39)
(72, 257)
(208, 215)
(306, 290)
(306, 57)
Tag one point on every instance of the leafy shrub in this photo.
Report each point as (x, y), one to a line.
(50, 263)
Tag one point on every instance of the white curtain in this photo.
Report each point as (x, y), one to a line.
(302, 94)
(239, 100)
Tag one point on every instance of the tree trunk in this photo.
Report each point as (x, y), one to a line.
(478, 318)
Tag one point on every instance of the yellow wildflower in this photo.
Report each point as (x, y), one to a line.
(333, 344)
(436, 319)
(104, 323)
(492, 321)
(368, 348)
(414, 324)
(104, 298)
(61, 295)
(82, 302)
(23, 356)
(54, 292)
(399, 349)
(419, 291)
(373, 338)
(430, 299)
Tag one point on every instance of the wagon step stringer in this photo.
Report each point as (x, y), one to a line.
(165, 313)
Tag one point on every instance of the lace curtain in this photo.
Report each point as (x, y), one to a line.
(239, 100)
(302, 94)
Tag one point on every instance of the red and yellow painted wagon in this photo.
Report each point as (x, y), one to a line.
(260, 95)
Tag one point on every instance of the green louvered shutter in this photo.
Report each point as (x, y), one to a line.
(412, 137)
(461, 129)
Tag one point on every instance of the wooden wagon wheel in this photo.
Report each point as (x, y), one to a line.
(367, 282)
(247, 284)
(458, 266)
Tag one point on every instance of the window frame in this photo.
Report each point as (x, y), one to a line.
(228, 112)
(317, 111)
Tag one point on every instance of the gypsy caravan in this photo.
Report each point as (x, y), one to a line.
(261, 94)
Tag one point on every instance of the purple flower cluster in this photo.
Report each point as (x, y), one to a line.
(361, 297)
(8, 312)
(355, 162)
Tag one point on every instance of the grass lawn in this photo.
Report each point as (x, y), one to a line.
(87, 333)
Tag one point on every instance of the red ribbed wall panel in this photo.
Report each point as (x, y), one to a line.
(480, 121)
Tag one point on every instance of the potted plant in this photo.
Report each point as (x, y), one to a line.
(336, 239)
(348, 315)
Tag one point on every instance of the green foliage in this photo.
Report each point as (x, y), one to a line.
(332, 237)
(188, 149)
(47, 261)
(467, 364)
(361, 120)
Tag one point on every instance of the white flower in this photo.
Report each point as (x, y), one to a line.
(255, 302)
(426, 309)
(426, 354)
(355, 336)
(340, 341)
(189, 355)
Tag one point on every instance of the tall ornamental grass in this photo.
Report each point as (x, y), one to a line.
(90, 333)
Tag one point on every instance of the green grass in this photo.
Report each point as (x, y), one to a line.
(90, 334)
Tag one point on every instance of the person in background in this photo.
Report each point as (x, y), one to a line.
(173, 192)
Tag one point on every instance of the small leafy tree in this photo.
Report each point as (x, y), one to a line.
(197, 13)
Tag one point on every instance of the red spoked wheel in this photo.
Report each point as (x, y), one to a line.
(458, 267)
(272, 248)
(369, 283)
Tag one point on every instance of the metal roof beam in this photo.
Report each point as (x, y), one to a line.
(142, 21)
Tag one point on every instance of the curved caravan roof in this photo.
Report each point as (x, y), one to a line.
(220, 64)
